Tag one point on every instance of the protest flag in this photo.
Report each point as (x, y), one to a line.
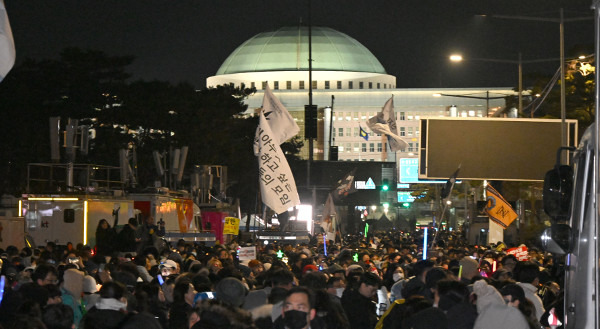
(345, 186)
(498, 209)
(385, 123)
(330, 218)
(7, 43)
(280, 120)
(447, 189)
(364, 134)
(277, 184)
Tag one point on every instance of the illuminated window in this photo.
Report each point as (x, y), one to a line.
(356, 147)
(348, 147)
(410, 131)
(348, 132)
(355, 132)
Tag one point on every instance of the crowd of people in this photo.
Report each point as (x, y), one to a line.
(378, 281)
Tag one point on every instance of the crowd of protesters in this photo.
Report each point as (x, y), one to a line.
(379, 281)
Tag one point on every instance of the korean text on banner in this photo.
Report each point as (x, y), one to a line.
(231, 225)
(498, 209)
(520, 252)
(277, 185)
(247, 253)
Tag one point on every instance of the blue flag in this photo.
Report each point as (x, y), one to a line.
(364, 134)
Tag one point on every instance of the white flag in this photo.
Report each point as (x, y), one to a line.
(277, 185)
(329, 221)
(385, 123)
(7, 44)
(280, 120)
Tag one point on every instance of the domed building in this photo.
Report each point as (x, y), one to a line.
(281, 57)
(349, 86)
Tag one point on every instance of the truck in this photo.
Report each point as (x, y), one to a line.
(63, 213)
(571, 198)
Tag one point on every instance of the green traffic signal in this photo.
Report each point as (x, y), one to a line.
(385, 185)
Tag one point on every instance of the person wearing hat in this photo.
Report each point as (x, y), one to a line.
(168, 267)
(469, 269)
(231, 291)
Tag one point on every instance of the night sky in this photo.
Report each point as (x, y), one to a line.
(187, 40)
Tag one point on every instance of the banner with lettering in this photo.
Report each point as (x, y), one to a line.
(231, 225)
(498, 209)
(520, 252)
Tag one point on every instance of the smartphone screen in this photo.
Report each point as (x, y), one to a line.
(161, 281)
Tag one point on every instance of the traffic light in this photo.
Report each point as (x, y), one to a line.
(310, 121)
(385, 185)
(405, 205)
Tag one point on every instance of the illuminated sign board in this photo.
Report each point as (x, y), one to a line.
(409, 172)
(405, 197)
(362, 185)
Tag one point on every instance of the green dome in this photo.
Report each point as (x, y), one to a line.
(286, 49)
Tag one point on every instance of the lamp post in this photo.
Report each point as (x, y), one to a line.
(519, 62)
(561, 20)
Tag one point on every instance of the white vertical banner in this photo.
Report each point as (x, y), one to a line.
(277, 185)
(329, 222)
(279, 118)
(7, 44)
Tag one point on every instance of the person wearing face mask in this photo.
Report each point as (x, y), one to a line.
(393, 274)
(298, 311)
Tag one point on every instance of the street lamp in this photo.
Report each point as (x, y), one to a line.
(561, 20)
(459, 58)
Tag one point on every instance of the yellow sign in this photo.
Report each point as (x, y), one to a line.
(498, 209)
(231, 225)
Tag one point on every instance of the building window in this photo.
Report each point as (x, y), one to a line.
(252, 85)
(339, 85)
(340, 132)
(355, 132)
(356, 147)
(242, 86)
(379, 149)
(378, 85)
(370, 85)
(371, 147)
(314, 85)
(348, 147)
(361, 85)
(300, 84)
(417, 131)
(288, 85)
(364, 147)
(402, 116)
(410, 131)
(350, 85)
(276, 85)
(402, 131)
(326, 84)
(355, 115)
(340, 149)
(385, 86)
(410, 147)
(348, 132)
(264, 85)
